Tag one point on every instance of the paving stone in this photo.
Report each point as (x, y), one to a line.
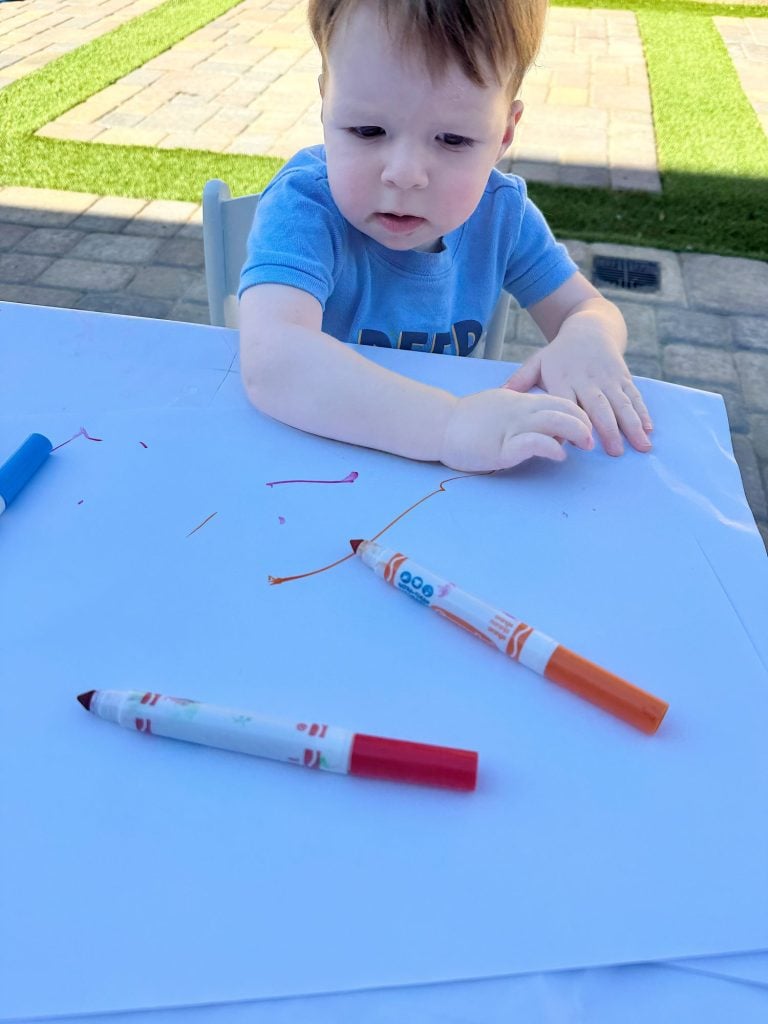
(527, 333)
(580, 252)
(49, 241)
(85, 275)
(751, 477)
(751, 331)
(125, 304)
(641, 330)
(17, 268)
(758, 429)
(20, 214)
(725, 285)
(738, 418)
(515, 352)
(753, 371)
(196, 290)
(707, 368)
(644, 366)
(163, 282)
(11, 235)
(161, 217)
(181, 252)
(190, 312)
(191, 230)
(585, 176)
(687, 325)
(36, 296)
(116, 248)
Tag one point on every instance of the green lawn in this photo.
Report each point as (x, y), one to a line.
(712, 151)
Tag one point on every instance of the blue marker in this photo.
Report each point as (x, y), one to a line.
(21, 467)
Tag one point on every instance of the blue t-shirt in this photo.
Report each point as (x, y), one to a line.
(371, 295)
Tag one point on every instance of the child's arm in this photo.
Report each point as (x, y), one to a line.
(584, 362)
(301, 376)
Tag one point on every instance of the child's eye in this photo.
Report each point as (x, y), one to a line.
(455, 141)
(367, 131)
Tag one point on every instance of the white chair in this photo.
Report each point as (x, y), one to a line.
(226, 223)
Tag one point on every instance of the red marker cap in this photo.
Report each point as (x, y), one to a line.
(402, 761)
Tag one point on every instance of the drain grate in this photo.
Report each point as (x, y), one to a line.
(633, 275)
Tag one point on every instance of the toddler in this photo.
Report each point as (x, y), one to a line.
(399, 231)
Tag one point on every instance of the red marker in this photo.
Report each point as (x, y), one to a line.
(514, 638)
(309, 744)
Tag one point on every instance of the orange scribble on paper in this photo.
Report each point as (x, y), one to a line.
(274, 580)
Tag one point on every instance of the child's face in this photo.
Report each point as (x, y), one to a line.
(408, 158)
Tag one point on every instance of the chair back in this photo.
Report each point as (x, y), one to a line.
(226, 225)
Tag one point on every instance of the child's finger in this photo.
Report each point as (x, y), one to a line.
(526, 376)
(519, 447)
(566, 426)
(640, 407)
(598, 407)
(628, 419)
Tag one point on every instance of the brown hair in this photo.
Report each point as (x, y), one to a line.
(505, 34)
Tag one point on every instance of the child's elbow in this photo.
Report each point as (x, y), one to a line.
(254, 367)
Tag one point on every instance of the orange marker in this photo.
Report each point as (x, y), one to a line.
(514, 638)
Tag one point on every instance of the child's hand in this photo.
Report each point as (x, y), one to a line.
(588, 368)
(498, 429)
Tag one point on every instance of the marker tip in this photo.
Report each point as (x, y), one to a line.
(85, 699)
(355, 544)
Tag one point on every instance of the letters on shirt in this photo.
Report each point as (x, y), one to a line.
(459, 341)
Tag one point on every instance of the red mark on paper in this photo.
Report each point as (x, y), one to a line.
(199, 526)
(348, 479)
(82, 432)
(274, 580)
(281, 520)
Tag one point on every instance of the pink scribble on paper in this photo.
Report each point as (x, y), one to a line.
(281, 520)
(201, 525)
(82, 432)
(348, 479)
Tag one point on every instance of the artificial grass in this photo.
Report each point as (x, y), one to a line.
(141, 171)
(712, 150)
(713, 154)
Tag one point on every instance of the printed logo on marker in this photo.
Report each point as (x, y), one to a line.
(415, 587)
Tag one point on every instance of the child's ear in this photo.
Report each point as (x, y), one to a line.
(515, 113)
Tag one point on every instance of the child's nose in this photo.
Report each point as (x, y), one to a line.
(404, 168)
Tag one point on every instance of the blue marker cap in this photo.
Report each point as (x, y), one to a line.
(21, 467)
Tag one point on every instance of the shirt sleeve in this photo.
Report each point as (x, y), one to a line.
(296, 237)
(537, 264)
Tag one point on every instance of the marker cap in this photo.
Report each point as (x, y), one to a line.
(402, 761)
(22, 465)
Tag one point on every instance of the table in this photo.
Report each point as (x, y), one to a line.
(99, 560)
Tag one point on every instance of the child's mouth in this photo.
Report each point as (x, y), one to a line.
(398, 224)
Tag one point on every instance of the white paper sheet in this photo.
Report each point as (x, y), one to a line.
(175, 854)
